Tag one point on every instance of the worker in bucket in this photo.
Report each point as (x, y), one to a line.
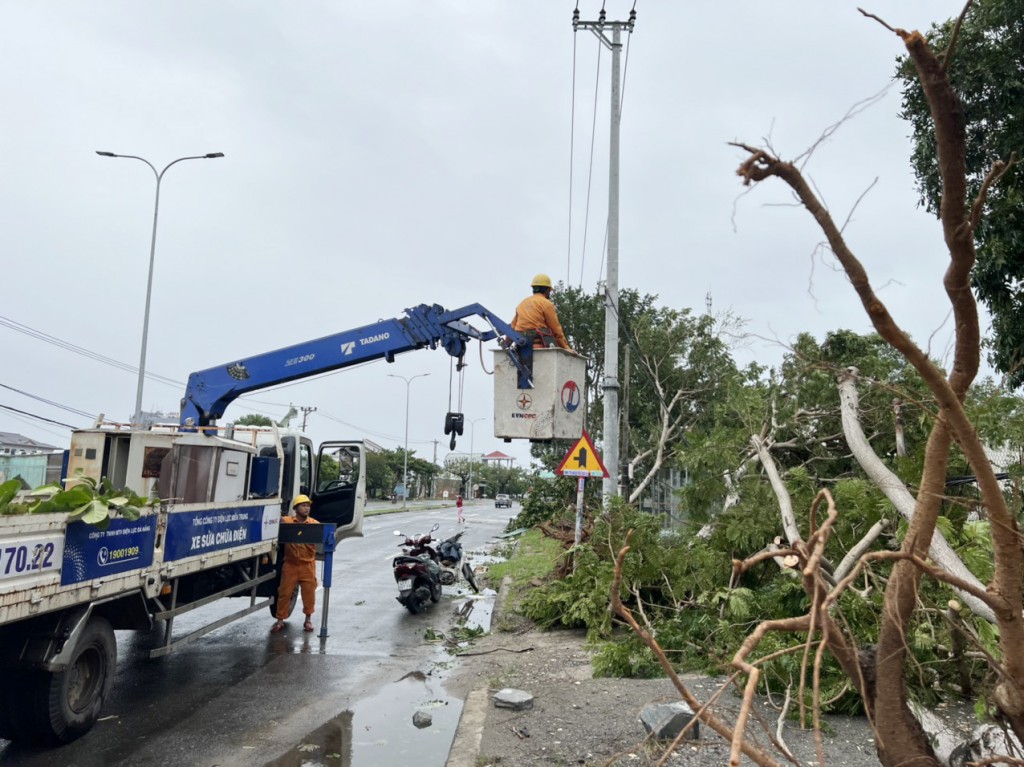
(298, 570)
(537, 319)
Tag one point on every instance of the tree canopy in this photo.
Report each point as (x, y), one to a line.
(673, 368)
(253, 419)
(987, 71)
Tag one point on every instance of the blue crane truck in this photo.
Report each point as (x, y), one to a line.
(211, 533)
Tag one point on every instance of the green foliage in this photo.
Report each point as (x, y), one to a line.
(492, 479)
(94, 503)
(380, 479)
(986, 72)
(681, 583)
(545, 499)
(253, 419)
(535, 557)
(678, 367)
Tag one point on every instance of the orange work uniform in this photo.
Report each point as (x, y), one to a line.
(299, 569)
(538, 313)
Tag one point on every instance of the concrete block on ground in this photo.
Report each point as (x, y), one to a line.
(517, 700)
(666, 720)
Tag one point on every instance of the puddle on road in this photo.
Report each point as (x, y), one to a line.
(383, 729)
(328, 746)
(380, 730)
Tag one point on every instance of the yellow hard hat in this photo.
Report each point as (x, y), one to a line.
(300, 499)
(541, 281)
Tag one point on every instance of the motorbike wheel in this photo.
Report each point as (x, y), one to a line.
(470, 576)
(435, 592)
(417, 600)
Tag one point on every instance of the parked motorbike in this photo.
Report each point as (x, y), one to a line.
(417, 572)
(449, 552)
(421, 570)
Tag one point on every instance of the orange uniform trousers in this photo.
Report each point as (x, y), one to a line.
(303, 575)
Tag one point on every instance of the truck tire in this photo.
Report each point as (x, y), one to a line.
(61, 706)
(291, 606)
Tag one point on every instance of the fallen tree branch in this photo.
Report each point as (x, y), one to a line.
(712, 721)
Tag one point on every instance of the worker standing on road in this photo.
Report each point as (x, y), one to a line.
(536, 316)
(299, 568)
(458, 508)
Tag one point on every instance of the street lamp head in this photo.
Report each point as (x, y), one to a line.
(105, 154)
(212, 155)
(408, 380)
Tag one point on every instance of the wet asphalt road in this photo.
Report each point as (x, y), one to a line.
(241, 696)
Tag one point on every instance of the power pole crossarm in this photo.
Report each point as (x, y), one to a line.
(305, 414)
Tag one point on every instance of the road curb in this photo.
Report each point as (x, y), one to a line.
(469, 732)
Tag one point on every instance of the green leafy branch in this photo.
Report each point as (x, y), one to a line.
(92, 502)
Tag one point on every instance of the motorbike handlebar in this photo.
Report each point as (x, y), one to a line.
(423, 541)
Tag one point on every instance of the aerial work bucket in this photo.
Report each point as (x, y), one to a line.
(552, 409)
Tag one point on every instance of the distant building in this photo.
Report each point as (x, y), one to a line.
(34, 463)
(497, 457)
(16, 444)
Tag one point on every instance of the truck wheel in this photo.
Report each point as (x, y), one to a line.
(291, 605)
(61, 706)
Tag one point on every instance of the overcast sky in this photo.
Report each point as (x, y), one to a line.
(380, 155)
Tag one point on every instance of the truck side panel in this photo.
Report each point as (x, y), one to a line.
(90, 553)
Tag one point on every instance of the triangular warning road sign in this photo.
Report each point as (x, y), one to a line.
(582, 461)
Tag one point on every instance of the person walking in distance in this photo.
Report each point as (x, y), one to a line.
(458, 507)
(299, 568)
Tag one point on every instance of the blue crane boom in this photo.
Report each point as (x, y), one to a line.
(209, 392)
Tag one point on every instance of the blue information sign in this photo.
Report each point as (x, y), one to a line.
(91, 553)
(200, 532)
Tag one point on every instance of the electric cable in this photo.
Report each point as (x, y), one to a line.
(33, 415)
(590, 175)
(33, 424)
(67, 345)
(82, 351)
(49, 402)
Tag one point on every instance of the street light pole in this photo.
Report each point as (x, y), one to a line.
(137, 416)
(472, 435)
(405, 452)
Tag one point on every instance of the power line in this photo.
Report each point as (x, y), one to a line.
(49, 402)
(378, 435)
(38, 427)
(68, 346)
(37, 417)
(590, 175)
(60, 343)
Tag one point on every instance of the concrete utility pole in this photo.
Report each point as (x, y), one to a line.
(610, 444)
(433, 477)
(305, 414)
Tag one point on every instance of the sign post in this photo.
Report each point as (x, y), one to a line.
(581, 461)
